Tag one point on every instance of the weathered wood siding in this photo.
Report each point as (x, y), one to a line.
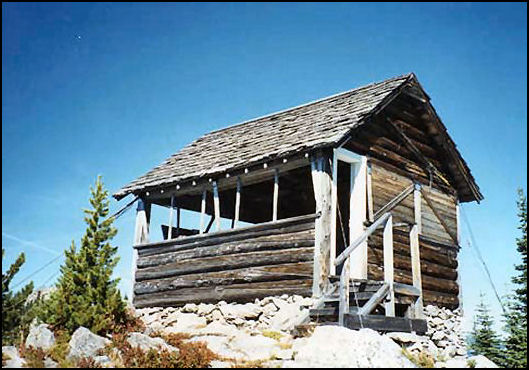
(437, 251)
(234, 265)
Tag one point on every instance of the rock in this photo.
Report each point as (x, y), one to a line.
(146, 343)
(14, 361)
(438, 335)
(461, 351)
(190, 308)
(437, 321)
(219, 345)
(253, 347)
(240, 311)
(103, 361)
(218, 328)
(405, 338)
(283, 354)
(334, 346)
(49, 363)
(186, 323)
(215, 364)
(216, 315)
(269, 309)
(204, 309)
(40, 337)
(84, 343)
(482, 362)
(455, 363)
(154, 328)
(287, 317)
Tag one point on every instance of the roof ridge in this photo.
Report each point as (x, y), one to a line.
(268, 115)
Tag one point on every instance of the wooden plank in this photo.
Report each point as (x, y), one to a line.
(218, 263)
(417, 208)
(375, 300)
(230, 293)
(237, 203)
(388, 266)
(386, 324)
(403, 262)
(274, 242)
(322, 184)
(276, 195)
(287, 222)
(334, 205)
(416, 269)
(216, 204)
(395, 201)
(287, 271)
(344, 292)
(141, 234)
(369, 189)
(171, 209)
(428, 282)
(357, 217)
(203, 211)
(441, 220)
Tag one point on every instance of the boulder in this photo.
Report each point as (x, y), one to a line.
(187, 323)
(14, 360)
(50, 364)
(253, 347)
(84, 343)
(219, 345)
(204, 309)
(334, 346)
(146, 343)
(218, 328)
(287, 317)
(482, 362)
(190, 308)
(40, 337)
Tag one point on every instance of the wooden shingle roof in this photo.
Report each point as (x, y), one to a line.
(318, 124)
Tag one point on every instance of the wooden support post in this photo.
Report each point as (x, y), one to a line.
(203, 211)
(357, 218)
(417, 207)
(216, 204)
(388, 266)
(416, 270)
(332, 268)
(276, 194)
(178, 221)
(141, 236)
(322, 184)
(237, 204)
(369, 189)
(344, 292)
(171, 208)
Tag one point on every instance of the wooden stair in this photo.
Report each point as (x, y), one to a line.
(360, 292)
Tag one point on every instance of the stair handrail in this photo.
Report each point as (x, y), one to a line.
(345, 257)
(375, 225)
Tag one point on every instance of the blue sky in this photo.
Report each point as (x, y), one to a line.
(114, 89)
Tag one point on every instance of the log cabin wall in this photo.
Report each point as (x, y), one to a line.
(237, 265)
(438, 252)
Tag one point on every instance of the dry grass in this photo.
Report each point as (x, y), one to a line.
(421, 359)
(34, 357)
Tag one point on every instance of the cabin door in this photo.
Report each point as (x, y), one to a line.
(348, 210)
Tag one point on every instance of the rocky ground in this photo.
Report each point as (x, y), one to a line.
(260, 334)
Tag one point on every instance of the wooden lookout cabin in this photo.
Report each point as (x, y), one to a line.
(352, 199)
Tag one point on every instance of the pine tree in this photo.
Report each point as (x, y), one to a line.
(86, 294)
(516, 316)
(14, 307)
(483, 339)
